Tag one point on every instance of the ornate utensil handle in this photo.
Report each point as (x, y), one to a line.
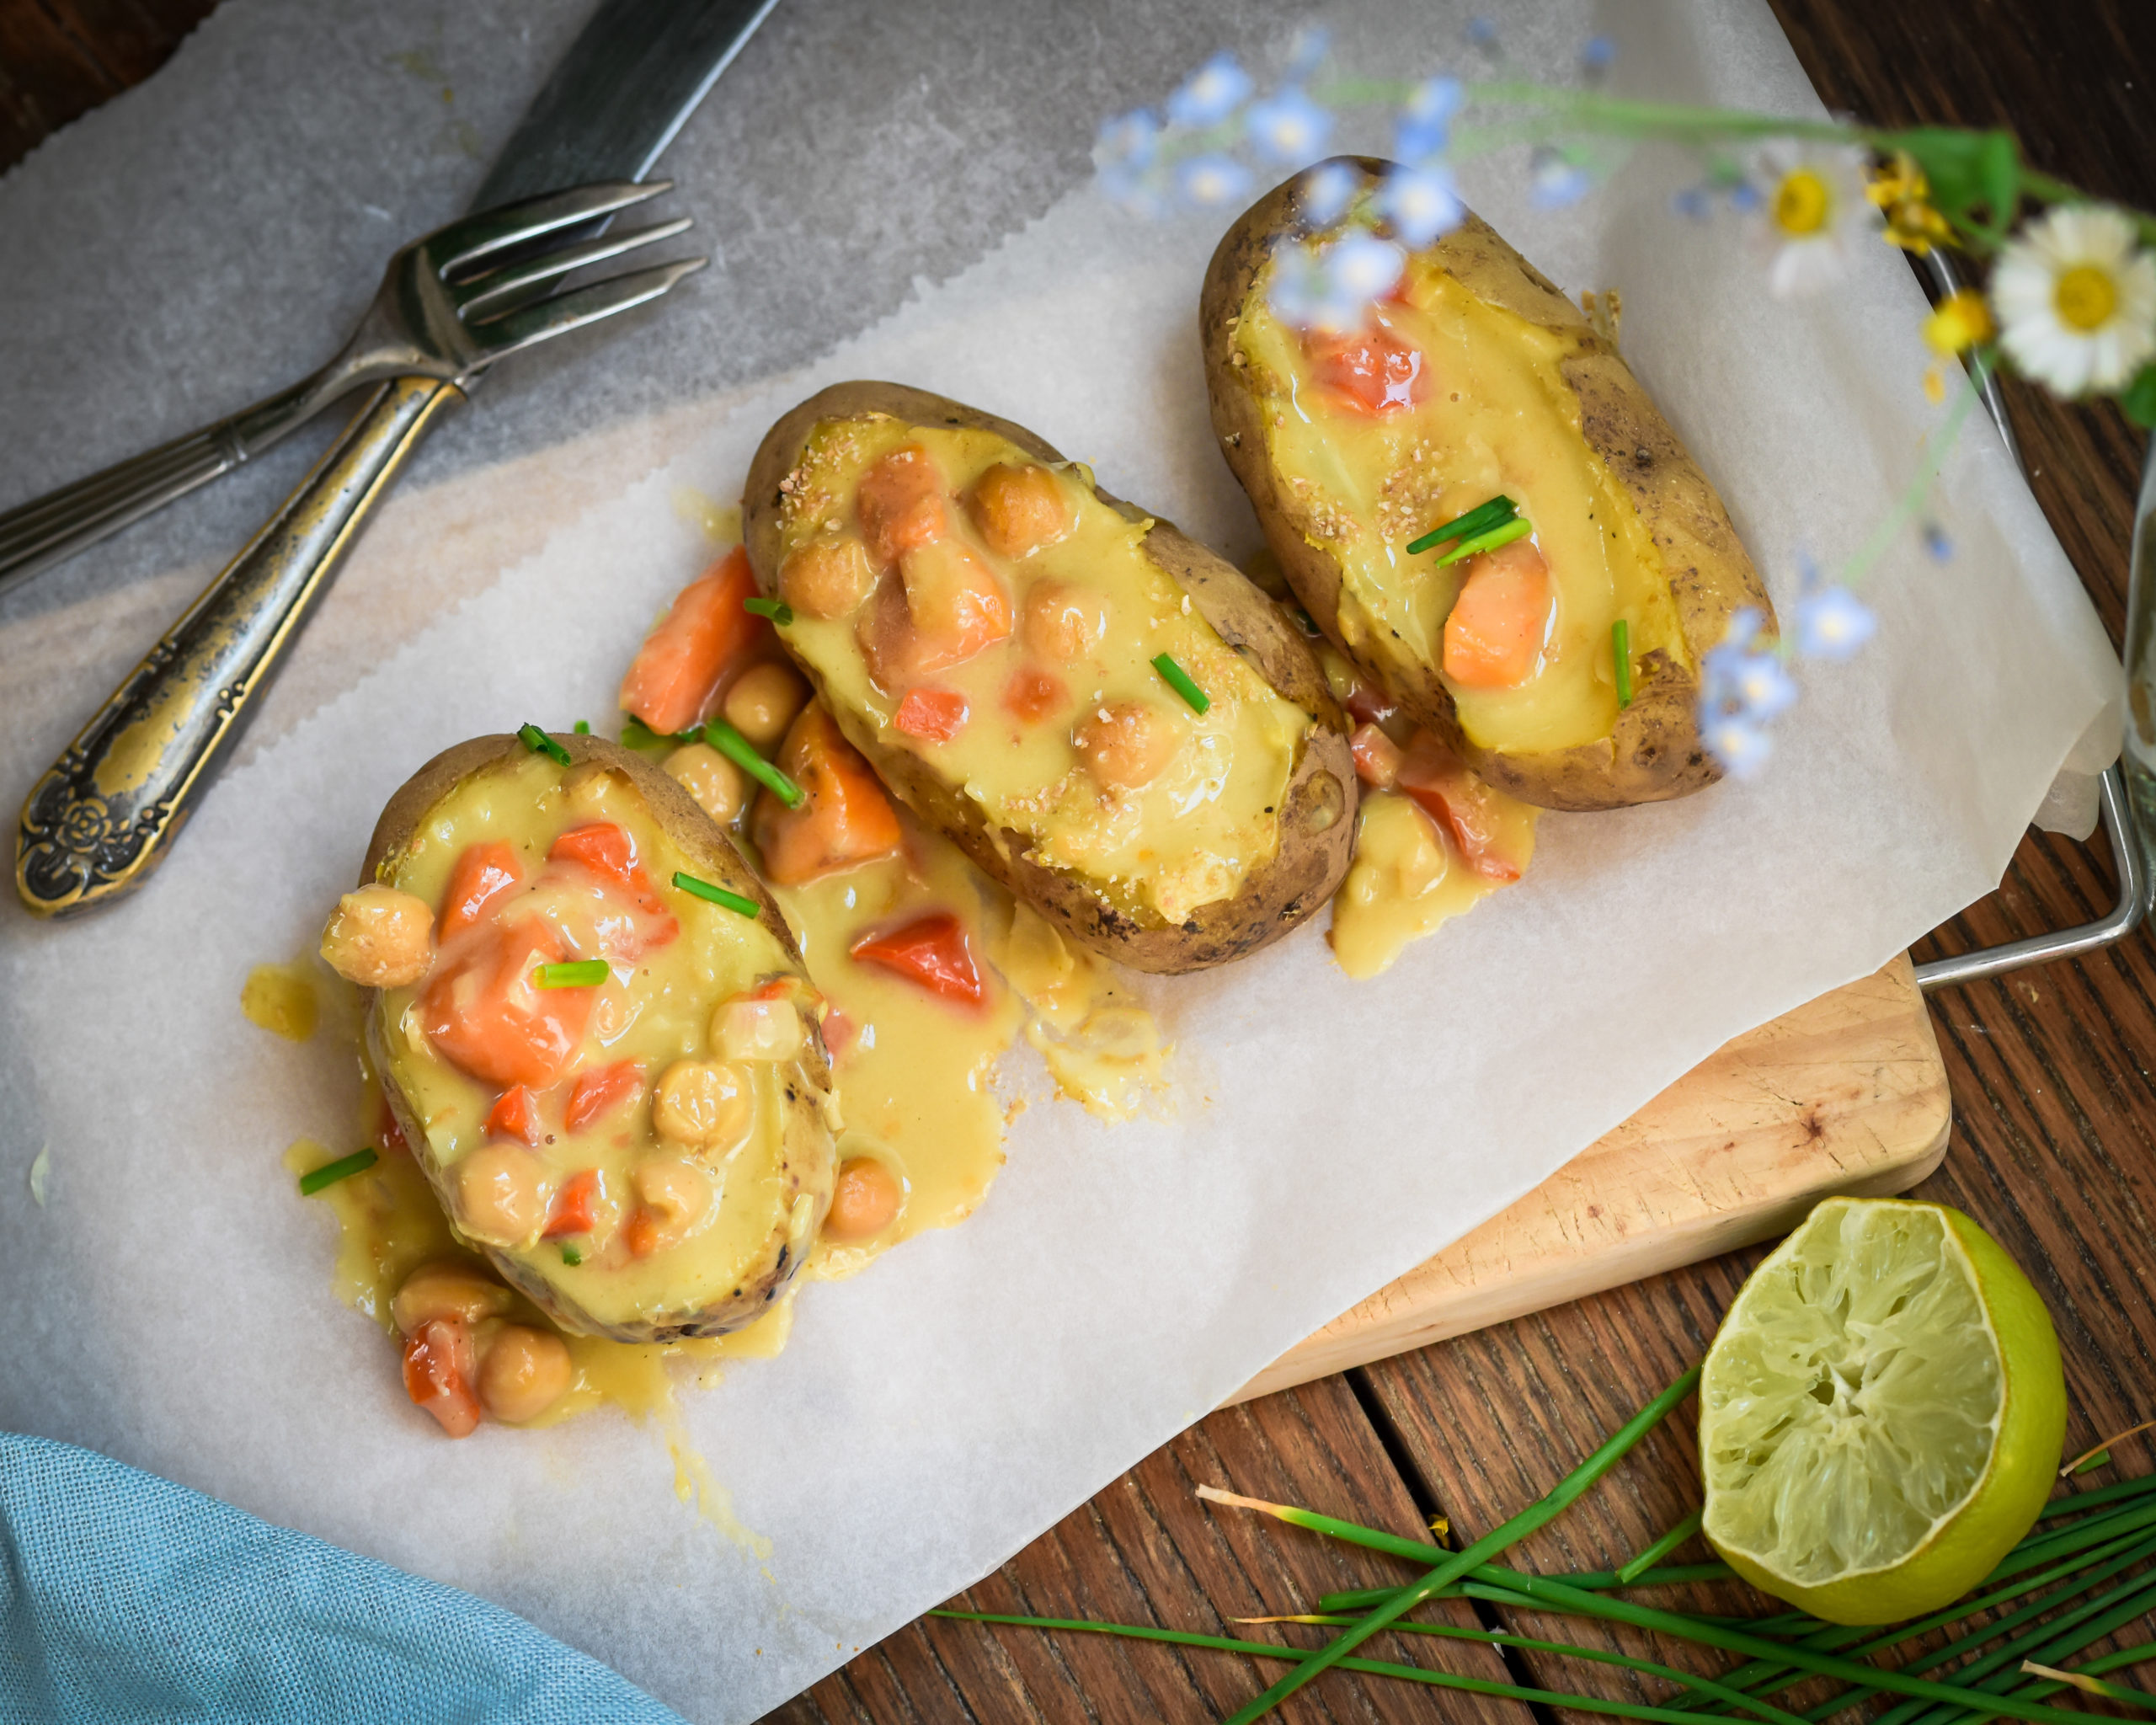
(105, 813)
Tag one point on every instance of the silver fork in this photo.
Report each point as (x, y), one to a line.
(450, 304)
(105, 813)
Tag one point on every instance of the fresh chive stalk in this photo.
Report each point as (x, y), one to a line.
(716, 895)
(572, 1257)
(738, 748)
(777, 610)
(539, 743)
(329, 1173)
(1667, 1543)
(583, 727)
(2095, 1685)
(2090, 1464)
(1177, 678)
(577, 973)
(1621, 656)
(1479, 518)
(1518, 527)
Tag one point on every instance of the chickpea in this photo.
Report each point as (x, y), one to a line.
(704, 1104)
(826, 578)
(380, 937)
(523, 1373)
(1127, 743)
(1064, 623)
(501, 1198)
(763, 701)
(446, 1288)
(719, 786)
(865, 1199)
(1018, 509)
(675, 1195)
(747, 1030)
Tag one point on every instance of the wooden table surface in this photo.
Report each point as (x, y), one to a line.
(2055, 1103)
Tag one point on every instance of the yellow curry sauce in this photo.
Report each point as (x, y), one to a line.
(1186, 836)
(1407, 880)
(1494, 417)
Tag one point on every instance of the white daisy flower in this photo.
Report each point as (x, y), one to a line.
(1812, 209)
(2077, 299)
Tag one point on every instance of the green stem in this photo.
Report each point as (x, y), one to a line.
(1488, 1546)
(1689, 1526)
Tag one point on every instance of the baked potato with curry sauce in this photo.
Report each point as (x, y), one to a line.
(1476, 380)
(1000, 639)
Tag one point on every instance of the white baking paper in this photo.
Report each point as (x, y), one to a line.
(168, 1302)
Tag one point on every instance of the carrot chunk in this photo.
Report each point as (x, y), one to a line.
(935, 715)
(576, 1206)
(1377, 756)
(1493, 638)
(438, 1372)
(1374, 373)
(674, 680)
(1460, 804)
(932, 951)
(599, 1092)
(844, 818)
(482, 873)
(900, 501)
(485, 1013)
(515, 1114)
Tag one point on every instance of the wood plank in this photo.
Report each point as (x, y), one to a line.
(1847, 1094)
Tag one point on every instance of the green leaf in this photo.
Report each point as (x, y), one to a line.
(1968, 171)
(2139, 397)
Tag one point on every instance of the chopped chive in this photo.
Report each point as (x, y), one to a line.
(1621, 655)
(1518, 527)
(1479, 520)
(777, 610)
(571, 1256)
(329, 1173)
(737, 748)
(716, 895)
(578, 973)
(637, 734)
(539, 743)
(1178, 679)
(2091, 1463)
(583, 727)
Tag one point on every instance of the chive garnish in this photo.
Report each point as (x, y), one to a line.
(1518, 527)
(583, 727)
(1177, 678)
(777, 610)
(571, 1256)
(329, 1173)
(577, 973)
(1479, 520)
(1621, 655)
(716, 894)
(738, 748)
(637, 734)
(539, 743)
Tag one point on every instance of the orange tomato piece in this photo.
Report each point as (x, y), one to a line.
(1493, 638)
(845, 818)
(935, 715)
(642, 1234)
(600, 1090)
(439, 1367)
(955, 602)
(1031, 695)
(486, 1014)
(932, 951)
(607, 850)
(482, 873)
(900, 502)
(515, 1114)
(1374, 373)
(576, 1206)
(675, 678)
(1377, 756)
(1460, 804)
(388, 1133)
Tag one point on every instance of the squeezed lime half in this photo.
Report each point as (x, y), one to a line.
(1881, 1414)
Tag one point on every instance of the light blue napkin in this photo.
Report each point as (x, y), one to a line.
(125, 1599)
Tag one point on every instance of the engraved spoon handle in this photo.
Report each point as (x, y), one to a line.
(104, 814)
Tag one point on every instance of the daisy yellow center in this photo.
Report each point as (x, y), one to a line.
(1802, 203)
(2084, 297)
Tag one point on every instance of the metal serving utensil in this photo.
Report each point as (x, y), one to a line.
(445, 310)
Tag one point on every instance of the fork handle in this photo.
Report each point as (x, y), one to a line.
(50, 529)
(104, 814)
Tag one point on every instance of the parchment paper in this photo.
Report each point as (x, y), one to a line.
(168, 1303)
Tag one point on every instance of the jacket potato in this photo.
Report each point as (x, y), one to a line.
(616, 1083)
(1109, 720)
(1476, 384)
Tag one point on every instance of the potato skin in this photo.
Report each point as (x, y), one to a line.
(1317, 814)
(811, 1158)
(1654, 752)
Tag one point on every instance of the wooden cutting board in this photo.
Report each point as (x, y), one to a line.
(1845, 1095)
